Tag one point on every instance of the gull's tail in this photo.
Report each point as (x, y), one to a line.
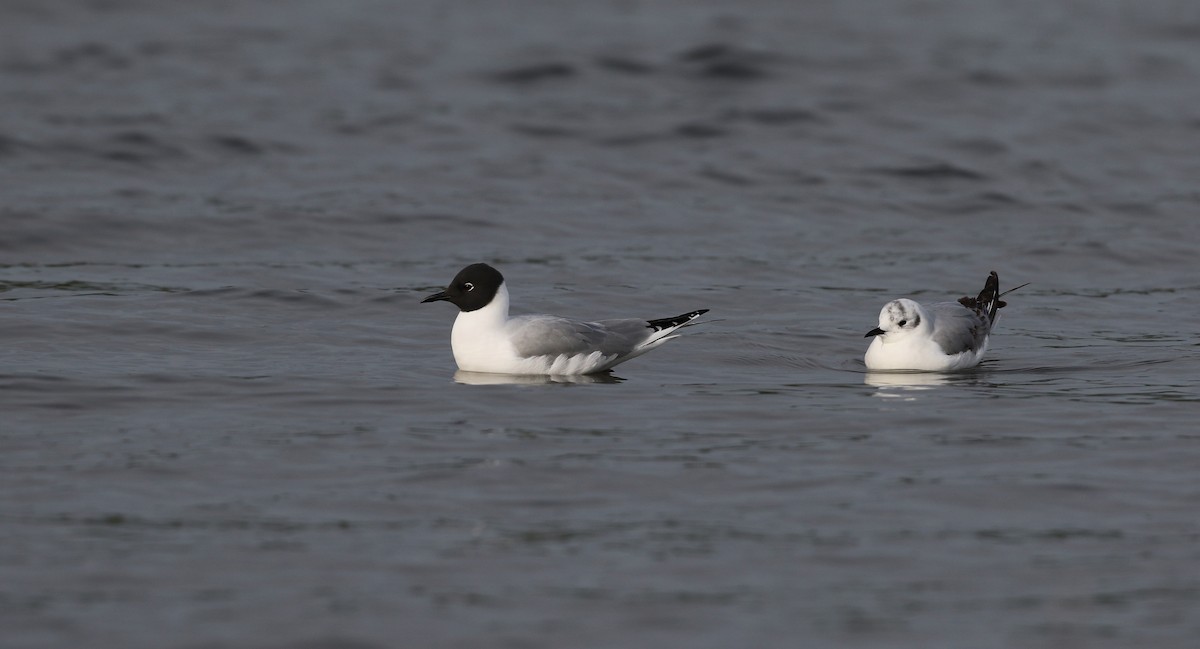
(676, 322)
(989, 302)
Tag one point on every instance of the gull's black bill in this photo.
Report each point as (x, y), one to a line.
(874, 332)
(440, 295)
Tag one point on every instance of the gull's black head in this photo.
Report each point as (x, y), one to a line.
(472, 288)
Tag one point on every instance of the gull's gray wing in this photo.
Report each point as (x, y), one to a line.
(545, 335)
(957, 329)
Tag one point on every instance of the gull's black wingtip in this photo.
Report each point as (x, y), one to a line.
(988, 302)
(677, 321)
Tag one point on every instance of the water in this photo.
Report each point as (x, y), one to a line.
(228, 422)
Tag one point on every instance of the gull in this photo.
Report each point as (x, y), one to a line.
(486, 339)
(940, 337)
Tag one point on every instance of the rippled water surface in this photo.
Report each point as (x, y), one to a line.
(226, 420)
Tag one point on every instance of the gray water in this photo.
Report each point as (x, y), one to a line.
(228, 422)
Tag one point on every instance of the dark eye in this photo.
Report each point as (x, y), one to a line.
(903, 322)
(468, 286)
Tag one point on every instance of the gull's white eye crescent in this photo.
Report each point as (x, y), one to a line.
(469, 286)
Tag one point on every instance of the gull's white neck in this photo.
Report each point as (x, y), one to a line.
(478, 337)
(925, 326)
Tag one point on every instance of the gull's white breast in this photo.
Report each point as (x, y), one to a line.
(916, 352)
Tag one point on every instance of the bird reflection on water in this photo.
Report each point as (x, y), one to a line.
(484, 378)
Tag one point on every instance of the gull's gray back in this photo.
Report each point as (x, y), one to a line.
(956, 328)
(545, 335)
